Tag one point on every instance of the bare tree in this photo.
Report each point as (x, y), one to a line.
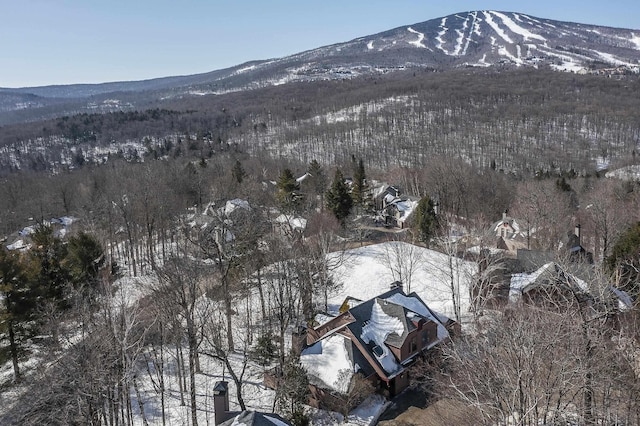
(182, 282)
(403, 260)
(552, 359)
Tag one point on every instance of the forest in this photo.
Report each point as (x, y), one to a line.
(186, 249)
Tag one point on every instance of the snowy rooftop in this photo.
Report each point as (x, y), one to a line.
(328, 363)
(376, 330)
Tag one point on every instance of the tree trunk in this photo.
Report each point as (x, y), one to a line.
(229, 311)
(14, 353)
(193, 347)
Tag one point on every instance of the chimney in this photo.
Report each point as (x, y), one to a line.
(504, 216)
(221, 402)
(577, 232)
(299, 339)
(396, 284)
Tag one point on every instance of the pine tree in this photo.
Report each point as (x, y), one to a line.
(359, 190)
(425, 219)
(17, 304)
(317, 183)
(51, 277)
(83, 261)
(338, 199)
(238, 172)
(318, 177)
(287, 190)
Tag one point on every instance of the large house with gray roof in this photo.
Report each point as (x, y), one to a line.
(378, 339)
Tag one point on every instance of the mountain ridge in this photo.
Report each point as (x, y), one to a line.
(480, 39)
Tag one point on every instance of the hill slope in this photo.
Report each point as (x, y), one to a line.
(477, 38)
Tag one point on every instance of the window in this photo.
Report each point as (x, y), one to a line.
(413, 346)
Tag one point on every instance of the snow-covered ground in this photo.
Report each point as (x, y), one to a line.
(367, 272)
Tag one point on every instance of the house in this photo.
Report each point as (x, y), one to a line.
(556, 286)
(224, 417)
(394, 209)
(378, 339)
(511, 237)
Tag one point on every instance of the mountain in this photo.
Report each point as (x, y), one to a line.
(469, 39)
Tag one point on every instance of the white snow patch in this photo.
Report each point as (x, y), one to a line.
(496, 28)
(377, 330)
(476, 24)
(419, 41)
(442, 32)
(235, 204)
(518, 29)
(625, 302)
(522, 280)
(460, 49)
(502, 50)
(611, 59)
(431, 280)
(370, 45)
(292, 221)
(631, 173)
(244, 69)
(67, 220)
(413, 304)
(18, 245)
(328, 361)
(530, 18)
(635, 40)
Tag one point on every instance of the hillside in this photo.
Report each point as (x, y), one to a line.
(469, 39)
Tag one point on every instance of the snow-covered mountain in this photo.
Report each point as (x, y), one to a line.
(469, 39)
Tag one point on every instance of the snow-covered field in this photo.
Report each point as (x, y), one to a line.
(367, 272)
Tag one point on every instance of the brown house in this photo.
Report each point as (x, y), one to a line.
(378, 339)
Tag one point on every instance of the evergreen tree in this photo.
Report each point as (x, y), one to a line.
(625, 259)
(338, 199)
(17, 305)
(238, 172)
(318, 177)
(359, 191)
(293, 391)
(317, 183)
(425, 219)
(287, 190)
(46, 256)
(84, 260)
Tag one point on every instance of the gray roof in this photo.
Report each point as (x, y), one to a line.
(255, 418)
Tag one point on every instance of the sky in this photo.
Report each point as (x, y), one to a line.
(45, 42)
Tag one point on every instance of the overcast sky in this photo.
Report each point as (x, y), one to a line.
(92, 41)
